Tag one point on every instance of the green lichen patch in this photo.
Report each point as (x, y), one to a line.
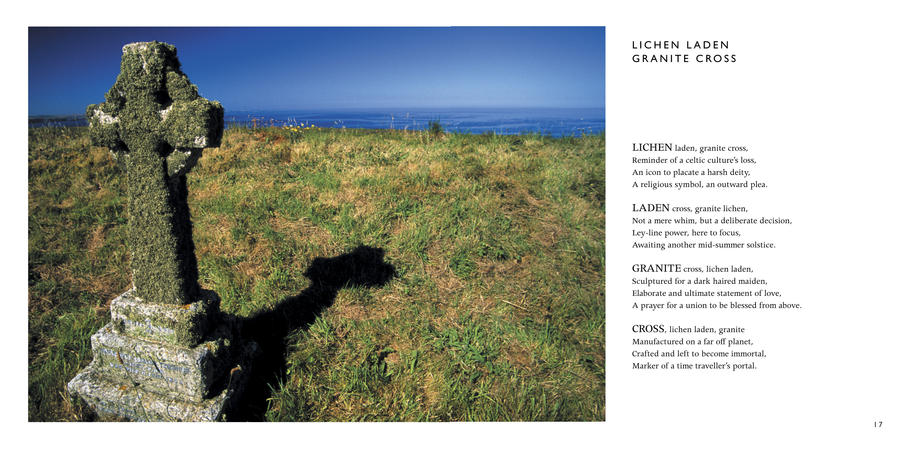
(179, 163)
(105, 131)
(179, 87)
(194, 124)
(156, 264)
(184, 325)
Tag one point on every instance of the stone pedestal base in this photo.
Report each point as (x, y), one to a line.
(112, 399)
(143, 374)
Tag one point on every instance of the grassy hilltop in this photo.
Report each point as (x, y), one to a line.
(387, 275)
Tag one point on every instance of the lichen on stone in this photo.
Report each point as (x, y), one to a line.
(155, 116)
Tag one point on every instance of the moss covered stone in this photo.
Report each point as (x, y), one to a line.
(156, 123)
(184, 325)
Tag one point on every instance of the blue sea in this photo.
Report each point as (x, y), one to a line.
(546, 121)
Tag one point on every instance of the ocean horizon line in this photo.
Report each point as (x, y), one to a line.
(367, 109)
(551, 120)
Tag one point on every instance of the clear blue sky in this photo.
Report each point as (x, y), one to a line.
(321, 68)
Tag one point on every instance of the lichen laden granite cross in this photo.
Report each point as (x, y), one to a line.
(154, 120)
(168, 353)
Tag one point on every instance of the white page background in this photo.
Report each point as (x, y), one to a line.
(814, 94)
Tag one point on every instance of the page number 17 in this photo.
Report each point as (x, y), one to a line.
(877, 424)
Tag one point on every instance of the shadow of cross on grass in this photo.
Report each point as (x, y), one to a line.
(362, 267)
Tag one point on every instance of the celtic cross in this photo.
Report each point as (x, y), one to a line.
(156, 123)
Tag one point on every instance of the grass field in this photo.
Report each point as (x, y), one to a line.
(387, 275)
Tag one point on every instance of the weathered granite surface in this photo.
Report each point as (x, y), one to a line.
(163, 322)
(190, 371)
(112, 398)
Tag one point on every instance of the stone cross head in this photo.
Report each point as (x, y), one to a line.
(153, 103)
(155, 122)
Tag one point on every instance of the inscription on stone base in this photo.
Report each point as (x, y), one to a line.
(174, 324)
(191, 371)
